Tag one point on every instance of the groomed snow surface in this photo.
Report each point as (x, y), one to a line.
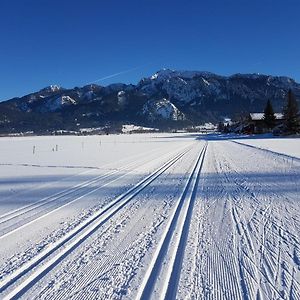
(149, 216)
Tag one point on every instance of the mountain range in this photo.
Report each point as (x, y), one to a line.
(167, 99)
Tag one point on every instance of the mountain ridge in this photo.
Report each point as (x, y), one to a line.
(168, 98)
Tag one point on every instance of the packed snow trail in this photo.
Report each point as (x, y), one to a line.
(219, 222)
(176, 229)
(39, 227)
(24, 216)
(30, 207)
(87, 227)
(246, 235)
(147, 214)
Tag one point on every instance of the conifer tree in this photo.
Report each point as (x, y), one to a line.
(291, 114)
(269, 116)
(221, 127)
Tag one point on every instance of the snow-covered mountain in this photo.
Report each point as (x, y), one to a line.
(162, 109)
(188, 87)
(166, 97)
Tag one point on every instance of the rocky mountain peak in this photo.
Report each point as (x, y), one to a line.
(168, 95)
(51, 88)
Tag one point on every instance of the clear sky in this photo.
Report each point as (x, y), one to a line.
(72, 43)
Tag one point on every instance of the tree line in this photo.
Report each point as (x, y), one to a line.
(290, 123)
(291, 119)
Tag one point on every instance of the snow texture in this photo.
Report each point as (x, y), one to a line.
(150, 216)
(162, 109)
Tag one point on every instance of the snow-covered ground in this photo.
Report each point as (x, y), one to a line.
(129, 128)
(149, 216)
(288, 146)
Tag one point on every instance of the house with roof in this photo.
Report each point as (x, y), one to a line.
(257, 125)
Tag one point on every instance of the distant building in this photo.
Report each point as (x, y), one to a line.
(257, 125)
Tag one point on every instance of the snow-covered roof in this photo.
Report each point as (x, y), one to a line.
(260, 116)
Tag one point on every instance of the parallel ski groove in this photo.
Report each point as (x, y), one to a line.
(78, 235)
(6, 216)
(69, 193)
(184, 212)
(28, 208)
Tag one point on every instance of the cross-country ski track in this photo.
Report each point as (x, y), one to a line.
(153, 216)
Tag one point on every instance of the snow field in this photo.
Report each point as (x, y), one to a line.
(153, 216)
(288, 146)
(130, 237)
(142, 171)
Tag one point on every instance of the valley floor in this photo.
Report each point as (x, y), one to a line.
(153, 216)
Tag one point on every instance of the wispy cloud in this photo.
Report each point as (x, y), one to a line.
(258, 63)
(118, 74)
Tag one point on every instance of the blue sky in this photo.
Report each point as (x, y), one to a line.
(72, 43)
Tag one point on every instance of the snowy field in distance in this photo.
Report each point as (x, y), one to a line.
(288, 146)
